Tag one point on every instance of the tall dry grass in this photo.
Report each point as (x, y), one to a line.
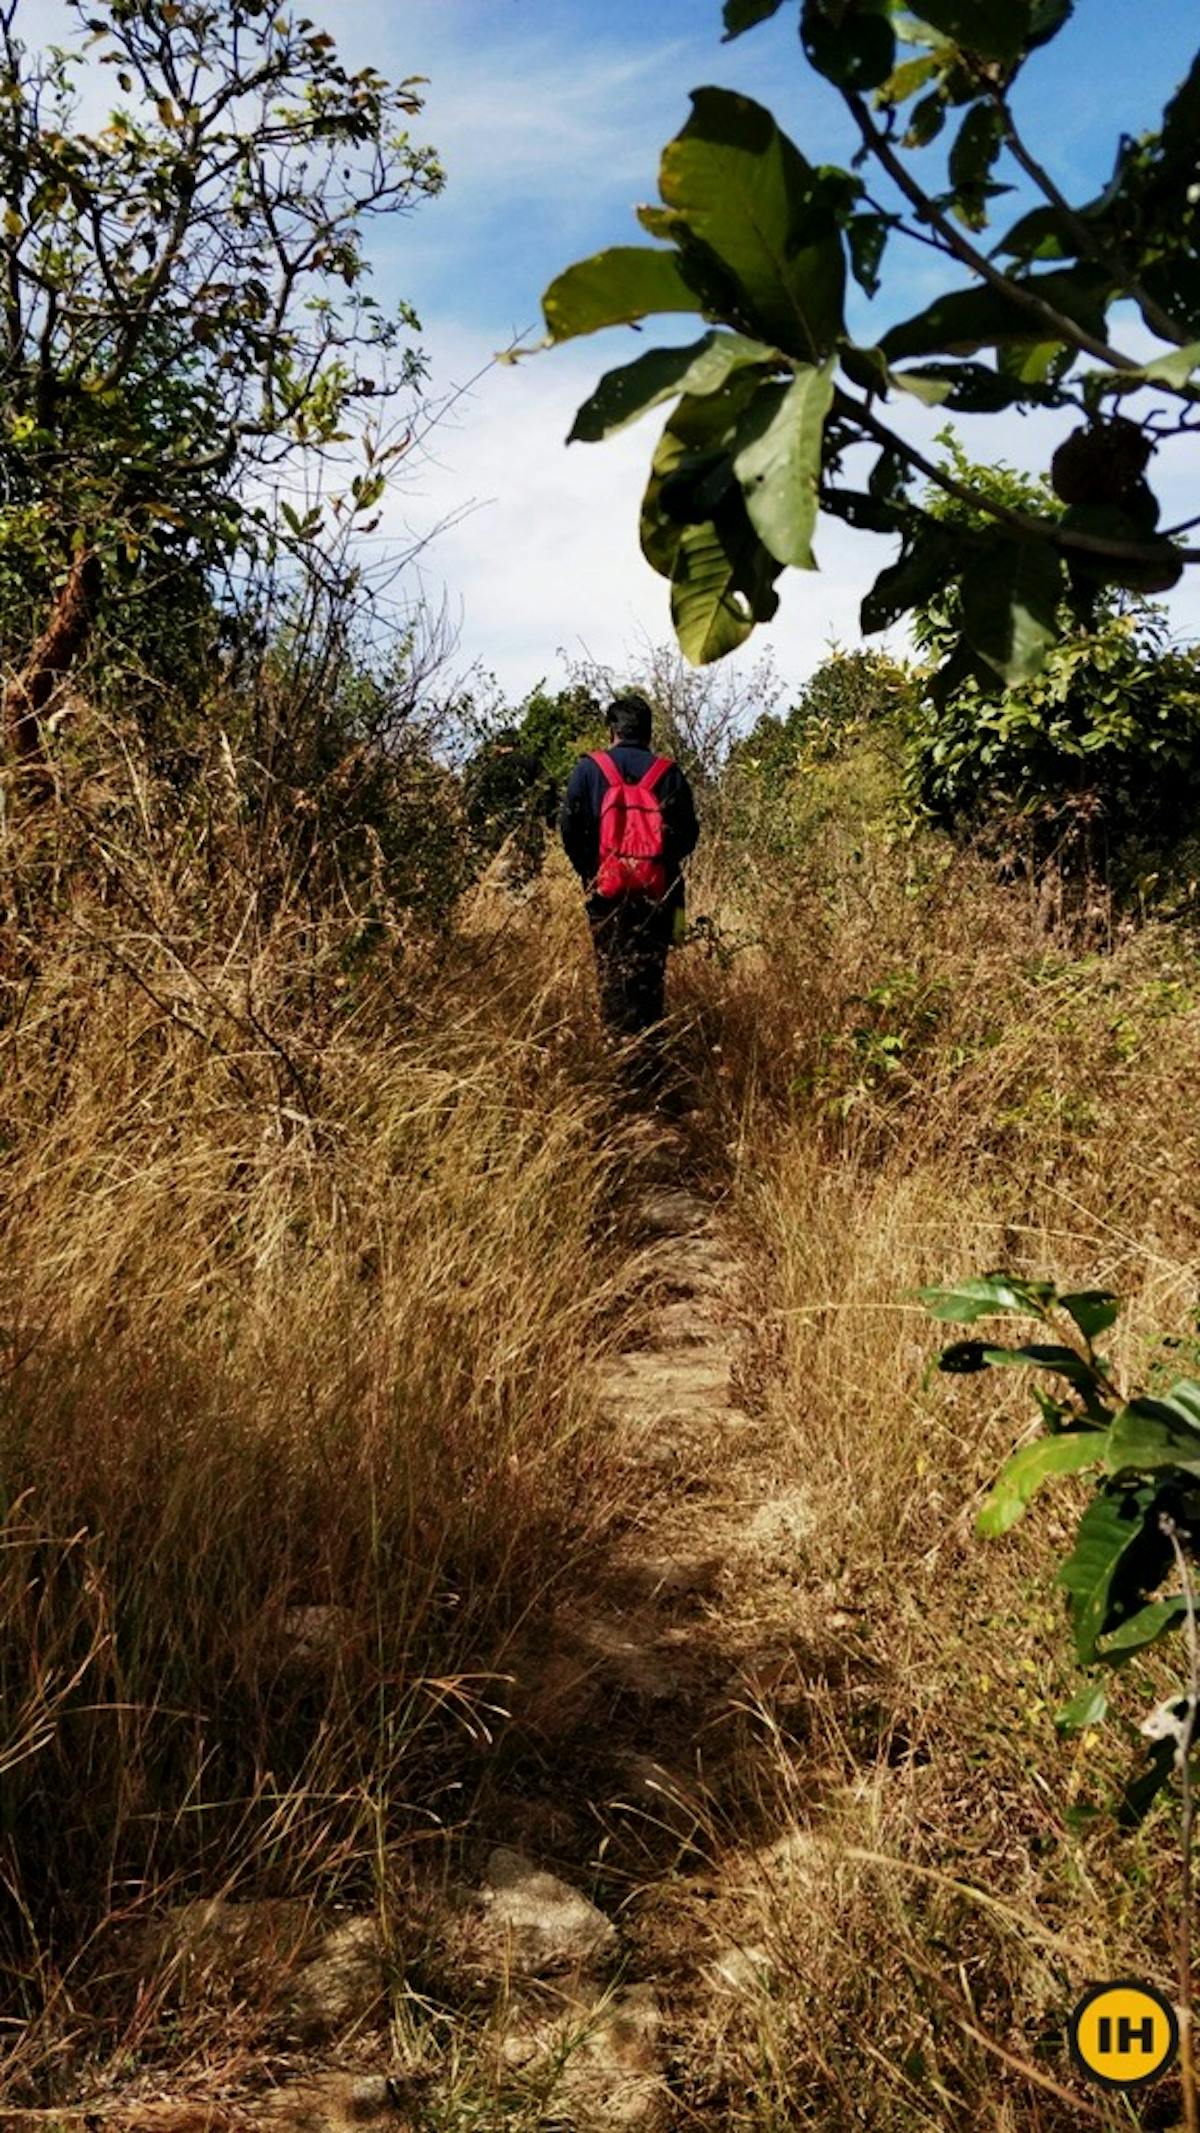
(918, 1084)
(303, 1257)
(305, 1252)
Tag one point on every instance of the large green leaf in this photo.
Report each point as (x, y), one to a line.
(1157, 570)
(720, 586)
(1139, 1795)
(1010, 598)
(1149, 1434)
(699, 367)
(1176, 367)
(985, 1296)
(1042, 233)
(613, 288)
(973, 388)
(922, 569)
(1157, 1619)
(1181, 124)
(1174, 283)
(1093, 1310)
(722, 578)
(866, 513)
(696, 442)
(851, 42)
(866, 240)
(1085, 1709)
(1046, 19)
(747, 194)
(1028, 1468)
(994, 29)
(964, 320)
(1064, 1362)
(1118, 1554)
(696, 489)
(777, 460)
(963, 665)
(976, 147)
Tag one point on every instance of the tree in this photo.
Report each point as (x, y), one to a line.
(513, 781)
(184, 318)
(771, 403)
(1091, 766)
(846, 694)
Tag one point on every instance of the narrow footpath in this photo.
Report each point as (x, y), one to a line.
(604, 1951)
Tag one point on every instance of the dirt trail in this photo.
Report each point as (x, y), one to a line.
(600, 1932)
(643, 1768)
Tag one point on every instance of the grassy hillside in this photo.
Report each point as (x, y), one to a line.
(306, 1258)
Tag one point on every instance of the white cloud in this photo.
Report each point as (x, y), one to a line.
(548, 558)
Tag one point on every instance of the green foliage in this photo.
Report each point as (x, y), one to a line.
(758, 240)
(186, 315)
(558, 727)
(1091, 760)
(513, 780)
(782, 778)
(1144, 1504)
(847, 693)
(1107, 734)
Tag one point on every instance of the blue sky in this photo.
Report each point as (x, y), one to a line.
(549, 116)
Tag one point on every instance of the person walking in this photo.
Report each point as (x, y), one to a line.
(628, 822)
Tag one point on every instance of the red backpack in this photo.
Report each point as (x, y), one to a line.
(631, 832)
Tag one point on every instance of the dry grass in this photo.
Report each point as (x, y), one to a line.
(919, 1086)
(302, 1266)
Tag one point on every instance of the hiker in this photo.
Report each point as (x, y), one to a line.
(628, 822)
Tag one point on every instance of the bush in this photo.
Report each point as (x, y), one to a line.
(1087, 767)
(1100, 752)
(851, 697)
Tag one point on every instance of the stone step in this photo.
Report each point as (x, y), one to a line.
(673, 1211)
(659, 1380)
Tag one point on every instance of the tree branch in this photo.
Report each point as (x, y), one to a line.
(1050, 320)
(1022, 522)
(1155, 317)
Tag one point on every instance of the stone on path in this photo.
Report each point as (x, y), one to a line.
(651, 1387)
(342, 1985)
(323, 2103)
(674, 1212)
(534, 1923)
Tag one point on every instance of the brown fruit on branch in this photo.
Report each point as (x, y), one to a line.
(1100, 464)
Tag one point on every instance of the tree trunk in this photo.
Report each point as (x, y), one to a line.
(53, 655)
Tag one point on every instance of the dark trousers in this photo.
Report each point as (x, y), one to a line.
(631, 936)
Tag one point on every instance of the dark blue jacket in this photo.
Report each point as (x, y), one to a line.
(579, 821)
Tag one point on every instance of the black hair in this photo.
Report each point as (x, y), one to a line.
(629, 718)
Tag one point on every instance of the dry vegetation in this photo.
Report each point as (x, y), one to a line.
(927, 1086)
(300, 1273)
(303, 1265)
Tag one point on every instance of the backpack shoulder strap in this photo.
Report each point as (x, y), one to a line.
(649, 780)
(605, 763)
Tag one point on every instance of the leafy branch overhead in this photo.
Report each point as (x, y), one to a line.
(771, 401)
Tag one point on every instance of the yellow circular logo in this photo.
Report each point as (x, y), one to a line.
(1124, 2034)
